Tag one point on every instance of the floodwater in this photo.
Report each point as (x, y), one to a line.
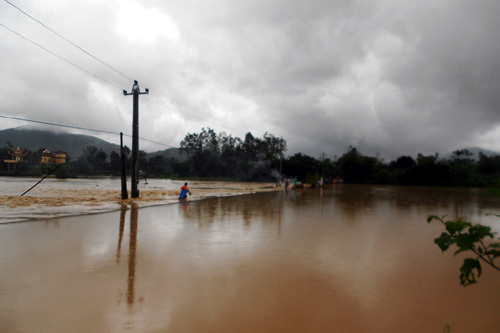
(341, 259)
(23, 199)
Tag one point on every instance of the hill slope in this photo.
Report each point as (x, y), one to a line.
(474, 151)
(34, 139)
(174, 153)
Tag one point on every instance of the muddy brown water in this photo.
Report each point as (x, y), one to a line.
(341, 259)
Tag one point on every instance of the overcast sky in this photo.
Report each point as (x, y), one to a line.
(394, 77)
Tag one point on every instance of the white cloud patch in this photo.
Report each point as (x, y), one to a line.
(137, 23)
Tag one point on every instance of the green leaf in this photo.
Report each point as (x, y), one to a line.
(456, 226)
(494, 253)
(467, 276)
(432, 217)
(465, 242)
(480, 231)
(444, 241)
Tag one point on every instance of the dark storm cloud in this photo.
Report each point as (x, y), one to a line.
(394, 77)
(451, 76)
(404, 78)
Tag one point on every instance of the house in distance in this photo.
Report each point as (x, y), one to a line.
(17, 156)
(59, 157)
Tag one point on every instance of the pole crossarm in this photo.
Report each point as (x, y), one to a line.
(136, 89)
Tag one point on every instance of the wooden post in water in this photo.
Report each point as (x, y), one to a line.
(124, 176)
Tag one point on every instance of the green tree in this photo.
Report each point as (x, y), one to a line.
(402, 163)
(359, 169)
(161, 165)
(115, 162)
(204, 151)
(274, 148)
(428, 171)
(221, 155)
(232, 156)
(251, 146)
(143, 161)
(92, 161)
(460, 154)
(301, 166)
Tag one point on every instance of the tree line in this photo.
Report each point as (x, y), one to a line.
(219, 155)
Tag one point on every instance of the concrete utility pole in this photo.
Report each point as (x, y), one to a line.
(135, 137)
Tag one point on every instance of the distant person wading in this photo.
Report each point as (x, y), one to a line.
(184, 192)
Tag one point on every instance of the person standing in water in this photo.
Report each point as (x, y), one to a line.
(184, 191)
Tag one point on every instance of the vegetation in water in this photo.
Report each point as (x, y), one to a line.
(471, 238)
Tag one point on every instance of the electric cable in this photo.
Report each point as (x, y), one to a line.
(60, 57)
(172, 98)
(69, 41)
(100, 78)
(82, 129)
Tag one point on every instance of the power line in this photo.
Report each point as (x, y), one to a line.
(81, 128)
(88, 72)
(58, 125)
(109, 82)
(176, 100)
(67, 40)
(60, 57)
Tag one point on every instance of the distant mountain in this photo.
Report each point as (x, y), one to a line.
(73, 144)
(473, 150)
(170, 152)
(34, 139)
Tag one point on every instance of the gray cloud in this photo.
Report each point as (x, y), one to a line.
(394, 77)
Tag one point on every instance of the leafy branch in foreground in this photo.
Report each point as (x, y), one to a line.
(476, 238)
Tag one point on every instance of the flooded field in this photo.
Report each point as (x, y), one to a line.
(340, 259)
(67, 197)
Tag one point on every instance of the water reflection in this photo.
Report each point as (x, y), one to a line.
(455, 202)
(184, 205)
(349, 203)
(132, 255)
(268, 206)
(123, 212)
(311, 260)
